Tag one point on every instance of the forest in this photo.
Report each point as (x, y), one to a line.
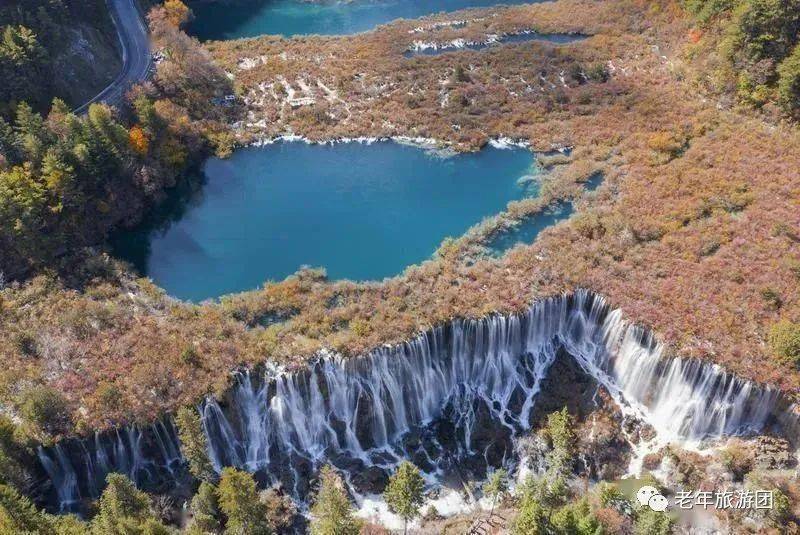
(54, 48)
(66, 181)
(755, 54)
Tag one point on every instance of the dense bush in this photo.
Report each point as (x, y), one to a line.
(784, 339)
(760, 38)
(13, 457)
(649, 522)
(789, 83)
(43, 411)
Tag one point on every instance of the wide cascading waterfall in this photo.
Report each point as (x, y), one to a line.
(451, 399)
(77, 469)
(356, 412)
(682, 399)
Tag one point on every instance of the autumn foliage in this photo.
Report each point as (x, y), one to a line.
(138, 140)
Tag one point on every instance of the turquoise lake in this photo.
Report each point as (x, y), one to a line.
(249, 18)
(362, 212)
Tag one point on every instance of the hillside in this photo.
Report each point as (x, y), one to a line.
(64, 48)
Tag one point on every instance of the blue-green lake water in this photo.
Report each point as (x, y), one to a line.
(249, 18)
(527, 230)
(362, 212)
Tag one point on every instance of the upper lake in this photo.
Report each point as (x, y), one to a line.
(362, 212)
(250, 18)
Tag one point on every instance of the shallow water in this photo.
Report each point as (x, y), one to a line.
(552, 38)
(362, 212)
(527, 230)
(249, 18)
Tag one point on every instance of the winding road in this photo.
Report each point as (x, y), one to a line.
(136, 57)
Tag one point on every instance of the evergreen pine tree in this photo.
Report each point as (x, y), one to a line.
(194, 445)
(332, 513)
(123, 509)
(18, 514)
(205, 509)
(404, 493)
(496, 486)
(238, 497)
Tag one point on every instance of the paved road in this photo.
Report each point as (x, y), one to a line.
(136, 57)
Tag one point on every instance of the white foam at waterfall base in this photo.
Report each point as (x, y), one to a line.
(362, 407)
(449, 502)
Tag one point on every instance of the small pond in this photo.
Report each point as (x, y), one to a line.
(362, 212)
(249, 18)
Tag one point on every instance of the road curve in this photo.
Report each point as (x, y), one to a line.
(136, 57)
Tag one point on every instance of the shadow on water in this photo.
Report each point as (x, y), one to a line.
(526, 231)
(593, 182)
(134, 244)
(361, 211)
(215, 19)
(552, 38)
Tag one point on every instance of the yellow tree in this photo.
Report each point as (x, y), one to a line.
(138, 140)
(177, 12)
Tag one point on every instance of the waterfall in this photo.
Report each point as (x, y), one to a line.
(356, 411)
(77, 468)
(454, 396)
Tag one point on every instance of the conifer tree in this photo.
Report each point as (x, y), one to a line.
(194, 445)
(404, 493)
(18, 514)
(531, 519)
(332, 513)
(124, 509)
(496, 486)
(205, 509)
(238, 497)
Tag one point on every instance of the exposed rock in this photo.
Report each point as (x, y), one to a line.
(773, 453)
(601, 442)
(371, 480)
